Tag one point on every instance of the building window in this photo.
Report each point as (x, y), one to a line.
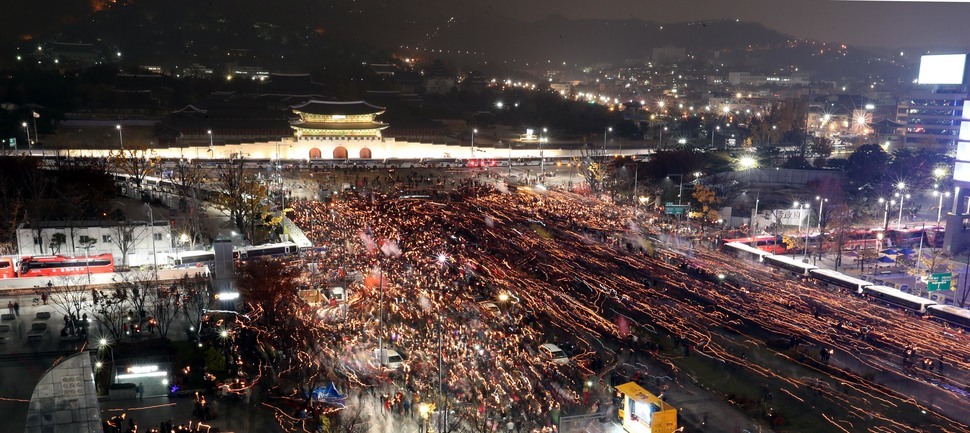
(105, 238)
(36, 240)
(85, 239)
(157, 236)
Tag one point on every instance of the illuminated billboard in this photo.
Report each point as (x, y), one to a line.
(942, 68)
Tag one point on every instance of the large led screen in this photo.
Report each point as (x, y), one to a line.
(942, 68)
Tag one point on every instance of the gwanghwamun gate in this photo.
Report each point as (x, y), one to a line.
(347, 131)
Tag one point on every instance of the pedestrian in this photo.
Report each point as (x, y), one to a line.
(139, 392)
(10, 306)
(43, 297)
(16, 308)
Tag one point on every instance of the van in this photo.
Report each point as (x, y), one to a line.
(391, 359)
(553, 353)
(337, 294)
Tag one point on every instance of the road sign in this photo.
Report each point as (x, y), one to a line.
(939, 282)
(13, 142)
(675, 209)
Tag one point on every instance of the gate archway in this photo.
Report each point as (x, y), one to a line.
(340, 152)
(365, 153)
(315, 153)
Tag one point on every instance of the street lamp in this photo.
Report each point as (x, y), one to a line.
(661, 143)
(474, 131)
(713, 133)
(939, 211)
(542, 159)
(27, 128)
(608, 130)
(680, 191)
(151, 232)
(103, 345)
(885, 216)
(121, 139)
(900, 186)
(821, 204)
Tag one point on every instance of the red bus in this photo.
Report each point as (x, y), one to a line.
(859, 240)
(771, 244)
(911, 237)
(52, 266)
(7, 268)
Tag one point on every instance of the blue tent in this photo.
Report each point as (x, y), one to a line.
(906, 251)
(885, 259)
(328, 393)
(889, 251)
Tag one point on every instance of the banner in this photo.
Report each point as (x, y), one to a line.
(792, 217)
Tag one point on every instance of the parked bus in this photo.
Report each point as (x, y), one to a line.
(771, 244)
(899, 298)
(952, 315)
(52, 266)
(839, 279)
(8, 267)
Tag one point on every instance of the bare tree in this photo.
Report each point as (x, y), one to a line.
(244, 199)
(125, 235)
(109, 309)
(67, 294)
(188, 178)
(192, 297)
(137, 162)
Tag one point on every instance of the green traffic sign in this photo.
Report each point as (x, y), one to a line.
(937, 282)
(675, 209)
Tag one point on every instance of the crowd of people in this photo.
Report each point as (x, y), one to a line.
(560, 267)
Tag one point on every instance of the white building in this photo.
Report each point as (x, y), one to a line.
(136, 239)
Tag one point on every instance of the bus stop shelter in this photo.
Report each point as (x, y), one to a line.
(643, 412)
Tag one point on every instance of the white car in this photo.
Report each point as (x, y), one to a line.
(553, 353)
(391, 358)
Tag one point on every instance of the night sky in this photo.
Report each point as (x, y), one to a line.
(892, 24)
(868, 23)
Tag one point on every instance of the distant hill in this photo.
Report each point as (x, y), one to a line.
(300, 35)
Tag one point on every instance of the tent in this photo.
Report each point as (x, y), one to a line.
(885, 259)
(327, 393)
(906, 251)
(890, 251)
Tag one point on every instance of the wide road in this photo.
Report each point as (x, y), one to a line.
(584, 269)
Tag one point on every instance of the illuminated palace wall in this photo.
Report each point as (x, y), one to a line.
(342, 148)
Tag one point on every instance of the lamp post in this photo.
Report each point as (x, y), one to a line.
(209, 132)
(510, 157)
(151, 232)
(443, 262)
(661, 143)
(87, 262)
(713, 133)
(608, 130)
(885, 216)
(27, 128)
(757, 201)
(474, 131)
(542, 159)
(808, 230)
(939, 211)
(102, 345)
(821, 205)
(680, 191)
(798, 208)
(121, 139)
